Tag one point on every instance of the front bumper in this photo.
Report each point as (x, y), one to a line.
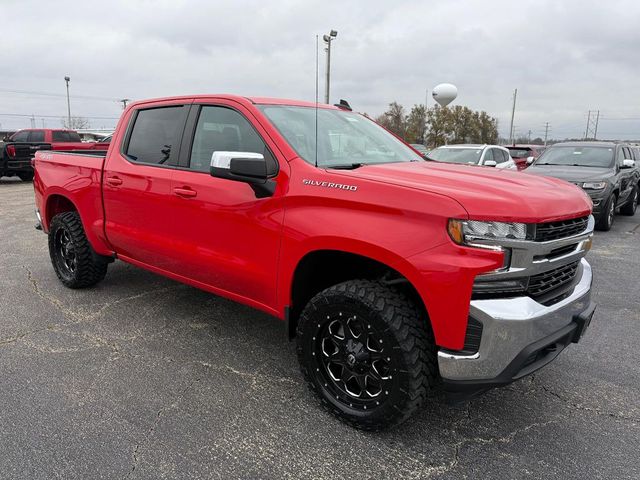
(519, 336)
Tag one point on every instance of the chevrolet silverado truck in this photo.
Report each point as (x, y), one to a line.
(607, 172)
(59, 139)
(395, 275)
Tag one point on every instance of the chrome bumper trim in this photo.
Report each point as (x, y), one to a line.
(510, 325)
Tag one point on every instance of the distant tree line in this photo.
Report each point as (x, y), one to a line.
(439, 125)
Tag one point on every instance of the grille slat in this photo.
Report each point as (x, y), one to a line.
(556, 230)
(544, 283)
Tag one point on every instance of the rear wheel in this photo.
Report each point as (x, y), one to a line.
(73, 259)
(367, 353)
(632, 205)
(608, 214)
(26, 176)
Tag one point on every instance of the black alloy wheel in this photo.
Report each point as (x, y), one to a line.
(65, 252)
(356, 369)
(76, 264)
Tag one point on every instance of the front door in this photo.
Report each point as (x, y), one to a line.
(228, 238)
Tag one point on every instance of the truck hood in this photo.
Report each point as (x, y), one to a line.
(571, 173)
(486, 193)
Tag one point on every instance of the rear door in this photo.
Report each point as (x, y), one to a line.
(228, 238)
(626, 175)
(137, 183)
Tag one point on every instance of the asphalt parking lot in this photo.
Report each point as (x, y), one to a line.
(142, 377)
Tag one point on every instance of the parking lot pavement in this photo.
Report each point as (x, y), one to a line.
(142, 377)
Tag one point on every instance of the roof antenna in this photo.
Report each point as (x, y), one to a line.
(316, 101)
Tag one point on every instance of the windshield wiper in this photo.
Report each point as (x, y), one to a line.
(345, 166)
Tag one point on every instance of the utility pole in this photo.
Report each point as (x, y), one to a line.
(66, 79)
(33, 121)
(124, 102)
(529, 136)
(546, 133)
(592, 125)
(586, 131)
(513, 112)
(328, 39)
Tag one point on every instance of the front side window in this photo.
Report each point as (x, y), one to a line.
(222, 129)
(343, 138)
(36, 136)
(156, 135)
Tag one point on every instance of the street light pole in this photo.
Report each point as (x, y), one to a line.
(328, 39)
(66, 79)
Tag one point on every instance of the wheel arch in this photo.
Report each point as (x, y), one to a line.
(55, 204)
(321, 268)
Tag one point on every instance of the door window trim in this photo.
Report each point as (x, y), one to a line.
(184, 161)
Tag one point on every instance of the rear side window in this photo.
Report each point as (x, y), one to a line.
(20, 136)
(36, 136)
(64, 136)
(156, 134)
(223, 129)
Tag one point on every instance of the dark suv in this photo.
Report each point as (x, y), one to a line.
(607, 171)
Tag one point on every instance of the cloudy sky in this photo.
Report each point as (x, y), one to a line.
(565, 57)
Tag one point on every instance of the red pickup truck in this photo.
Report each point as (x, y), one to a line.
(397, 275)
(60, 139)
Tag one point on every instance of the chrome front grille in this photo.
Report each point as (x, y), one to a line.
(542, 269)
(545, 232)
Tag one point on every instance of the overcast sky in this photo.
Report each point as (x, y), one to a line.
(565, 57)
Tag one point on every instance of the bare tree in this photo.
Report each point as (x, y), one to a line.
(77, 123)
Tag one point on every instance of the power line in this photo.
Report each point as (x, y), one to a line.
(54, 116)
(50, 94)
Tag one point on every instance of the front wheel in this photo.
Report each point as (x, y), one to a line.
(608, 214)
(73, 259)
(632, 205)
(367, 353)
(26, 176)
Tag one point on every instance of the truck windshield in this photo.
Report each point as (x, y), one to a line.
(344, 138)
(577, 156)
(456, 155)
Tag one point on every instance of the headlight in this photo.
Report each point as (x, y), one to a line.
(594, 185)
(463, 232)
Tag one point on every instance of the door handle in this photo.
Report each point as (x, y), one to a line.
(114, 181)
(185, 192)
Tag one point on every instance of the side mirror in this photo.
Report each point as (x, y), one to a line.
(490, 163)
(6, 138)
(530, 160)
(247, 167)
(627, 163)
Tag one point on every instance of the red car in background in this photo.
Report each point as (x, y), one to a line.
(524, 155)
(60, 139)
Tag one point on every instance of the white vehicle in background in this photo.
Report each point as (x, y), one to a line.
(469, 154)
